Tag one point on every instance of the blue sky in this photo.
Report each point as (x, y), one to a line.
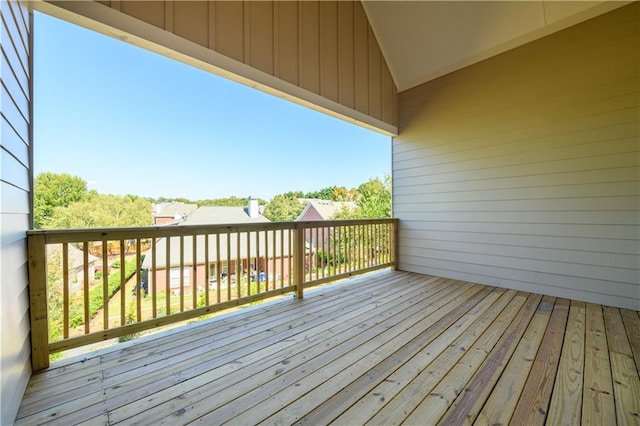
(130, 121)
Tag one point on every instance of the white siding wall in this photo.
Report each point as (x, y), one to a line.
(522, 171)
(15, 158)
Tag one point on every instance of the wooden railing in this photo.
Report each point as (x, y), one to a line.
(89, 285)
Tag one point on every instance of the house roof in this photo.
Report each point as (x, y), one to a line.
(221, 215)
(248, 248)
(325, 209)
(215, 215)
(423, 40)
(173, 209)
(75, 255)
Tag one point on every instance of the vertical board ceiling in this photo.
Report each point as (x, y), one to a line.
(423, 40)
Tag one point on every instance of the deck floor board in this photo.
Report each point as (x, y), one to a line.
(391, 347)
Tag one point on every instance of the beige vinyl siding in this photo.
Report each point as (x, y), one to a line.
(522, 171)
(322, 54)
(15, 159)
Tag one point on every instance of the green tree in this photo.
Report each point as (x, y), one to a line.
(53, 190)
(102, 211)
(333, 193)
(375, 198)
(373, 201)
(283, 208)
(341, 193)
(228, 201)
(323, 194)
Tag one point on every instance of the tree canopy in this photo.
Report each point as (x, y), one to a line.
(373, 201)
(101, 211)
(52, 190)
(333, 193)
(227, 201)
(63, 201)
(283, 208)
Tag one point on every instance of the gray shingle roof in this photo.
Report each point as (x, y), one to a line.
(217, 216)
(221, 215)
(248, 248)
(326, 209)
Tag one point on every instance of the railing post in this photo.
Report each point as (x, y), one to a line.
(394, 243)
(38, 302)
(298, 259)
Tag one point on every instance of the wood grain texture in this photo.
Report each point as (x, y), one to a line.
(533, 404)
(566, 402)
(38, 304)
(466, 407)
(504, 399)
(597, 401)
(388, 348)
(632, 326)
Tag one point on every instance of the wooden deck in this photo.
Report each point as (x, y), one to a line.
(389, 348)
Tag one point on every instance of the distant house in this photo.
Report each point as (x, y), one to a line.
(75, 266)
(164, 213)
(251, 258)
(317, 210)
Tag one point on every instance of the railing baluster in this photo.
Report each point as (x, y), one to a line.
(337, 262)
(376, 248)
(249, 269)
(194, 272)
(85, 285)
(361, 240)
(218, 273)
(181, 273)
(105, 287)
(238, 266)
(266, 265)
(367, 245)
(138, 283)
(122, 285)
(167, 283)
(207, 262)
(258, 266)
(299, 259)
(65, 289)
(274, 259)
(154, 276)
(289, 252)
(314, 253)
(229, 265)
(324, 251)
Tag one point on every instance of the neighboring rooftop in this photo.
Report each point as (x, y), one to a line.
(215, 215)
(75, 255)
(317, 209)
(169, 212)
(177, 213)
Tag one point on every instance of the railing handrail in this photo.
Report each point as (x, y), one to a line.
(79, 235)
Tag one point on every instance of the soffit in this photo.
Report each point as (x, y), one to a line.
(423, 40)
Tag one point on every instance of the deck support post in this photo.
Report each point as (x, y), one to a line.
(299, 259)
(393, 245)
(38, 302)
